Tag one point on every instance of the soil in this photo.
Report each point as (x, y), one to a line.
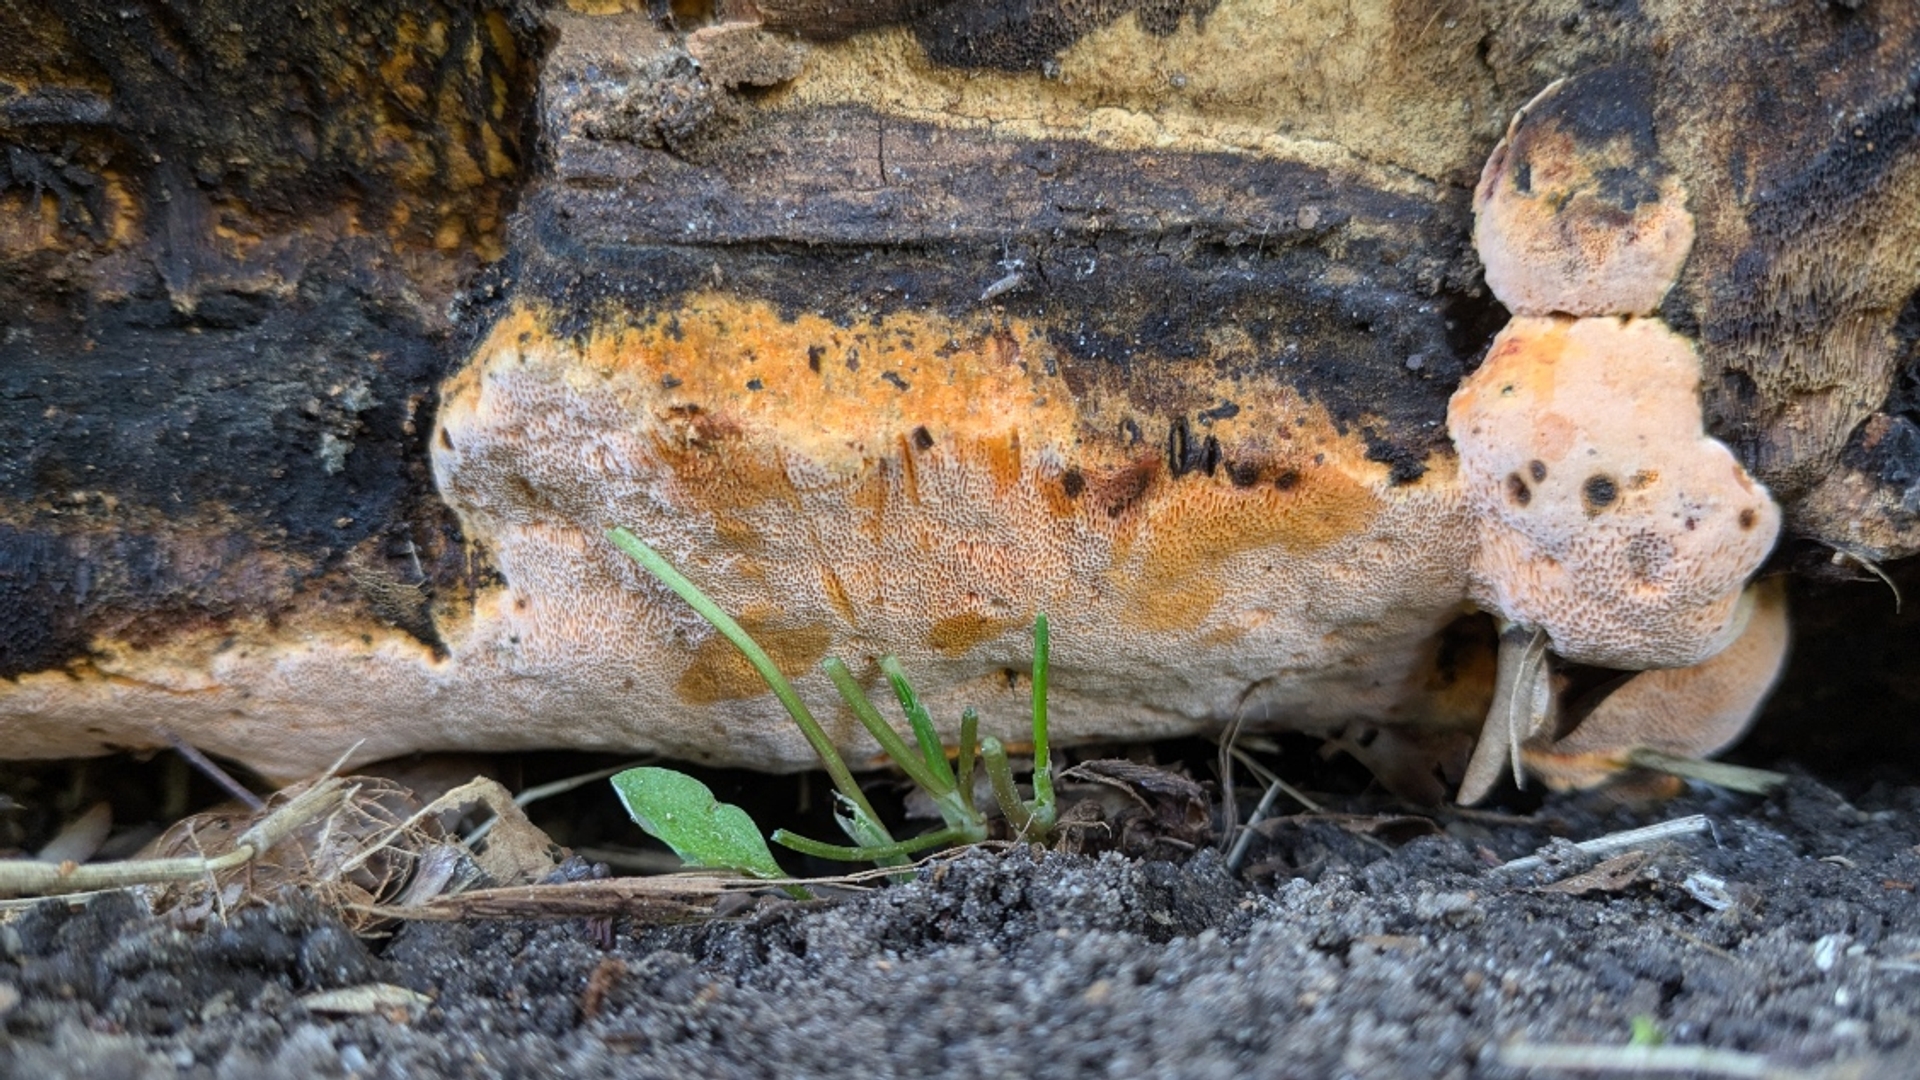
(1790, 931)
(1363, 941)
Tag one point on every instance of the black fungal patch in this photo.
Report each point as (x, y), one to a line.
(922, 439)
(177, 468)
(1886, 446)
(1026, 35)
(40, 623)
(1602, 105)
(1405, 464)
(1518, 493)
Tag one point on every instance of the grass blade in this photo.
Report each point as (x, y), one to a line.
(653, 563)
(1044, 814)
(916, 713)
(993, 753)
(882, 732)
(969, 744)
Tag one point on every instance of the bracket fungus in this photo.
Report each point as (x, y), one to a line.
(1614, 530)
(1574, 212)
(1690, 712)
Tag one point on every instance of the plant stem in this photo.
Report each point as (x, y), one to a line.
(875, 853)
(994, 754)
(946, 798)
(969, 743)
(1043, 801)
(651, 561)
(916, 713)
(882, 732)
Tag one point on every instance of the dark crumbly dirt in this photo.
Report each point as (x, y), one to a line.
(1343, 958)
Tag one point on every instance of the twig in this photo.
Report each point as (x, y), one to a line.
(19, 877)
(1690, 825)
(1245, 839)
(1260, 771)
(212, 771)
(1275, 788)
(529, 796)
(1649, 1060)
(1869, 566)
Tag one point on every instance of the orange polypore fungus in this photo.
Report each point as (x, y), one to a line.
(1574, 212)
(1613, 530)
(1685, 712)
(1610, 519)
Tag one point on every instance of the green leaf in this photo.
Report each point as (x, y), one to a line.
(682, 813)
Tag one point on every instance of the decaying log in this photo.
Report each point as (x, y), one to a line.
(334, 334)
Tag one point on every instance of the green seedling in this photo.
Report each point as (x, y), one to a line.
(682, 813)
(925, 763)
(1646, 1031)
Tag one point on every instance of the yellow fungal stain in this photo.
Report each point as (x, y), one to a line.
(718, 671)
(956, 634)
(1191, 532)
(838, 395)
(950, 451)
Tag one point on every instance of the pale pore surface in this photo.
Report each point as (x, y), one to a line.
(1610, 519)
(815, 511)
(936, 529)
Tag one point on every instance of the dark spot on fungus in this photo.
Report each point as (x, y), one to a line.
(1518, 491)
(814, 353)
(1537, 469)
(898, 382)
(1119, 491)
(922, 438)
(1599, 492)
(756, 384)
(445, 439)
(1185, 454)
(1244, 474)
(1287, 480)
(1748, 518)
(1071, 482)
